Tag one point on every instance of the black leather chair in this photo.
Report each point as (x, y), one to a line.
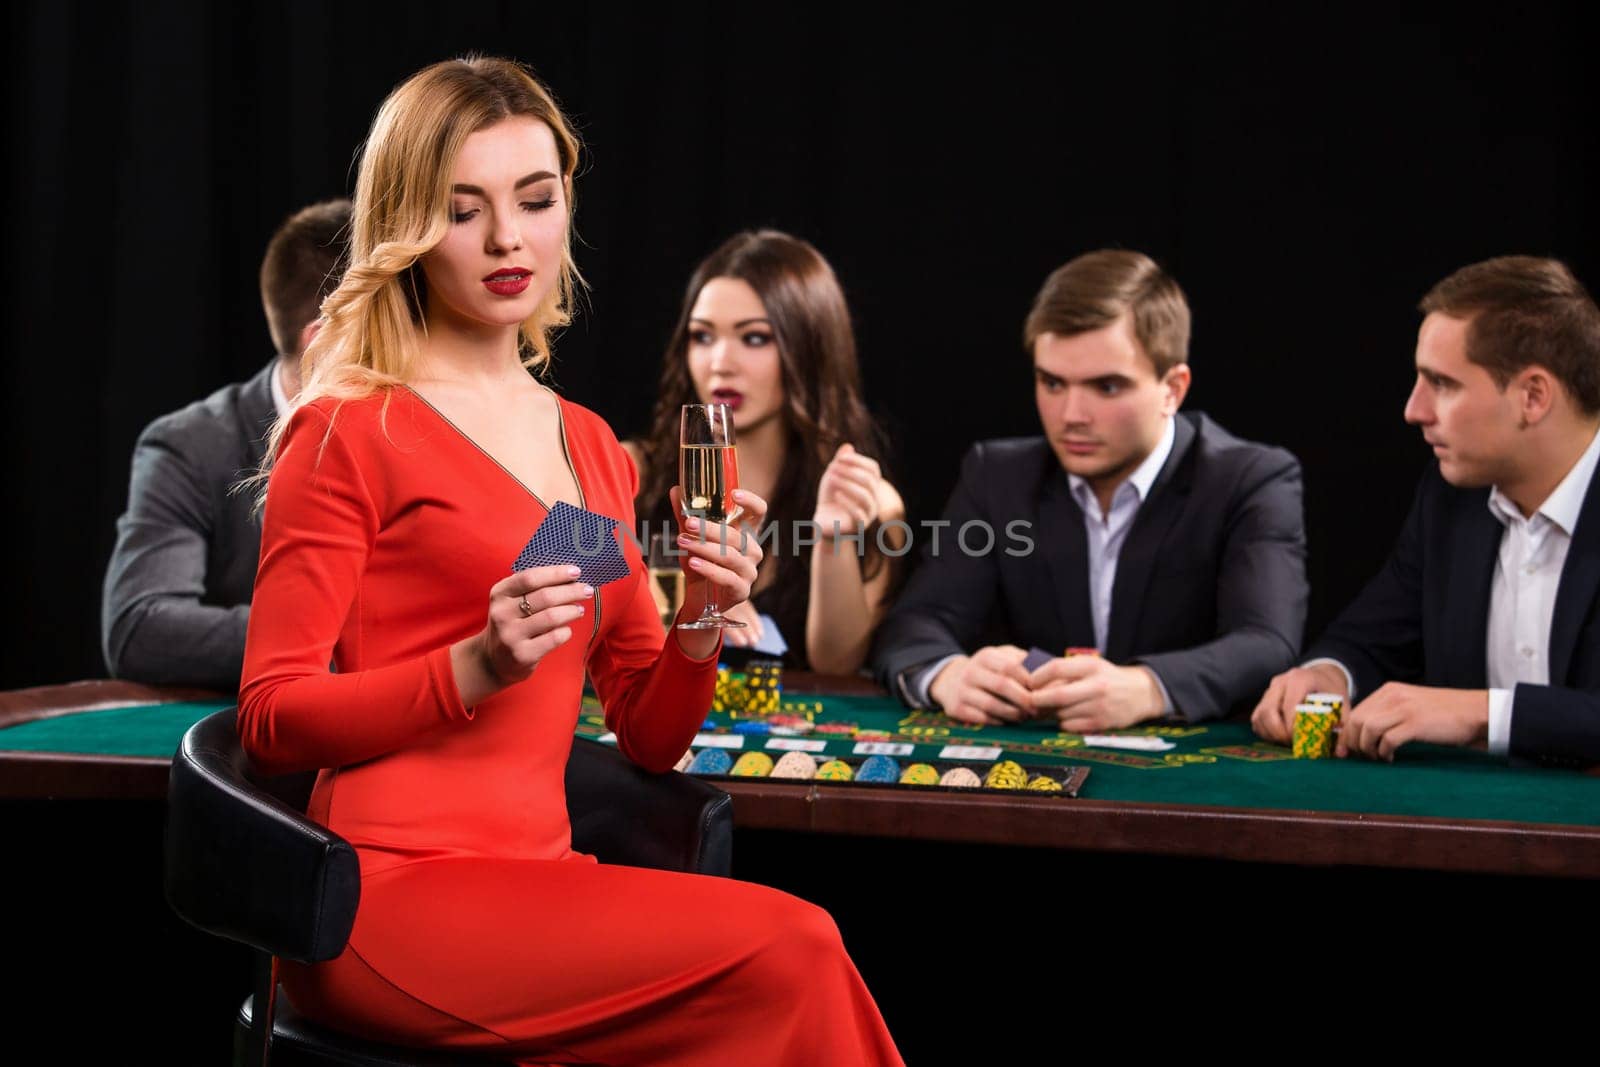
(244, 863)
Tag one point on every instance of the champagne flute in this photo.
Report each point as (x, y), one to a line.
(666, 577)
(708, 473)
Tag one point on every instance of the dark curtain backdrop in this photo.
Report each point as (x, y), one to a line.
(1306, 173)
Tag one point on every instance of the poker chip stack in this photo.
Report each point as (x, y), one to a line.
(835, 770)
(731, 692)
(878, 769)
(752, 765)
(1315, 721)
(1332, 701)
(1007, 774)
(764, 682)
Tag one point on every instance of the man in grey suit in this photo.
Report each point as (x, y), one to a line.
(1158, 539)
(177, 590)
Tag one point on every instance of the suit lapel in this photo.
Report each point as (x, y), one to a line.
(1136, 562)
(257, 413)
(1467, 625)
(1065, 548)
(1580, 585)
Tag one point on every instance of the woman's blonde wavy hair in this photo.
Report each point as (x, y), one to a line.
(371, 322)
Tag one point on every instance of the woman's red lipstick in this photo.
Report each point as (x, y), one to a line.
(508, 281)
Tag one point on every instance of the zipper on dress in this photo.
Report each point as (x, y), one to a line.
(583, 502)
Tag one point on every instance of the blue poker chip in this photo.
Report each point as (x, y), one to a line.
(751, 728)
(709, 724)
(711, 761)
(878, 769)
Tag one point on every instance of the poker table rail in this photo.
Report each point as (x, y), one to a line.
(1306, 838)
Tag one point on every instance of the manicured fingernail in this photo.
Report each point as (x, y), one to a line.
(685, 540)
(697, 563)
(691, 524)
(586, 590)
(574, 572)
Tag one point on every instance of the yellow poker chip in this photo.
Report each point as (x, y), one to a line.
(752, 765)
(835, 770)
(1313, 732)
(919, 774)
(1007, 774)
(1042, 783)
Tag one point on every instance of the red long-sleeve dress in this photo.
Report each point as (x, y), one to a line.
(479, 927)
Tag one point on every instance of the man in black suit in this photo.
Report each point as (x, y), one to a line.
(1483, 627)
(177, 590)
(1174, 548)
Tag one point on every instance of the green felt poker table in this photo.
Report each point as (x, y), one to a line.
(1216, 792)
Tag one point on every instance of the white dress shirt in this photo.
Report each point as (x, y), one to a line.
(1522, 595)
(1106, 531)
(280, 396)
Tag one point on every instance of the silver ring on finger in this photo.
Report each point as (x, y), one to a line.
(525, 607)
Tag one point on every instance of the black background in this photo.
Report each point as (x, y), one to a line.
(1305, 174)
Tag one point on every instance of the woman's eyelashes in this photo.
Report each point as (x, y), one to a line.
(753, 339)
(467, 214)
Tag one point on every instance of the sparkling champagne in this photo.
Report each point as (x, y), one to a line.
(708, 474)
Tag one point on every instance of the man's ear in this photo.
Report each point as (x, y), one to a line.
(1534, 389)
(308, 333)
(1176, 382)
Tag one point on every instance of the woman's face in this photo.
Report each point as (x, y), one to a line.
(502, 254)
(733, 353)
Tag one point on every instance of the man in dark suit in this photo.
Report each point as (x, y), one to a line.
(1483, 626)
(1174, 548)
(177, 590)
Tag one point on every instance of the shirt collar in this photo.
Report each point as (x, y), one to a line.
(1144, 475)
(280, 398)
(1564, 504)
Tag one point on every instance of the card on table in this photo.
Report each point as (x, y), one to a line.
(1037, 657)
(772, 642)
(576, 537)
(1134, 744)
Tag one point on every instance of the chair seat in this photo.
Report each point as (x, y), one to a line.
(299, 1042)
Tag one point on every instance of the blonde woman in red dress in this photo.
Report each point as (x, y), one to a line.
(420, 456)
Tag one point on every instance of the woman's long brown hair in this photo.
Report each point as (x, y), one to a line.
(822, 405)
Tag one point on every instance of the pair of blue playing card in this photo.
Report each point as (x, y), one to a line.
(575, 537)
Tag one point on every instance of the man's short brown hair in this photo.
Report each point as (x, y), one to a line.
(1098, 288)
(305, 260)
(1526, 311)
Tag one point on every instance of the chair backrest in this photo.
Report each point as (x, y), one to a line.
(621, 813)
(243, 861)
